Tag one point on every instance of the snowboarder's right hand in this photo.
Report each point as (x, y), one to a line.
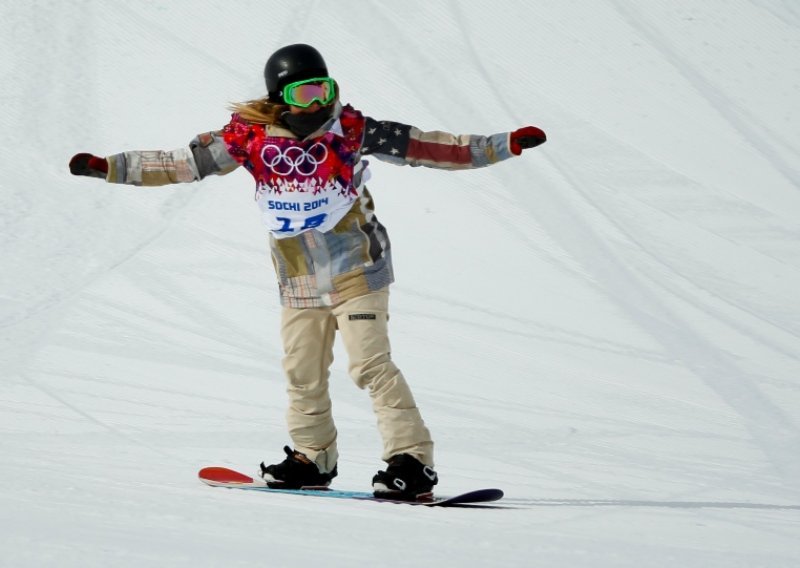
(88, 165)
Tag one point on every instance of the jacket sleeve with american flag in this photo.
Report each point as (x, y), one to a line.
(402, 144)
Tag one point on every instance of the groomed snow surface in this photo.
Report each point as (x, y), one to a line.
(607, 328)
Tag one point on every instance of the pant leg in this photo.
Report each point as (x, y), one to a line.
(363, 324)
(308, 336)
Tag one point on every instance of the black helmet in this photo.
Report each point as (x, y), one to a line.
(292, 63)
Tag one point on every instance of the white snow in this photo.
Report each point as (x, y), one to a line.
(606, 328)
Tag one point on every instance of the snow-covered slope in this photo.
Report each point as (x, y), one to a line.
(607, 327)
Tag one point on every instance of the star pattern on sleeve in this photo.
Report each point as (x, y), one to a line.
(386, 137)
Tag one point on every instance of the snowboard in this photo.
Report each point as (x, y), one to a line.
(224, 477)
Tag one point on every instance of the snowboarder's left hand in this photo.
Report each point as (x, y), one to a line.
(526, 137)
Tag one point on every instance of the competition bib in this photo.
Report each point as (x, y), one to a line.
(302, 184)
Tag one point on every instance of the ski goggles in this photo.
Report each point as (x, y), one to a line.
(305, 93)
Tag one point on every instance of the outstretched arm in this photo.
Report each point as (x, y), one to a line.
(402, 144)
(206, 155)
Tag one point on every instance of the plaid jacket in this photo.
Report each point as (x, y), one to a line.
(317, 268)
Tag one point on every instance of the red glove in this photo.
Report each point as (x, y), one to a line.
(526, 137)
(88, 165)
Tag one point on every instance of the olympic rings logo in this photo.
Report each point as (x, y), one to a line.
(294, 159)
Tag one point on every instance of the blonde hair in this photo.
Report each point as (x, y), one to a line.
(259, 111)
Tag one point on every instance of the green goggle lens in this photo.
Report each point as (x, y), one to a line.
(305, 93)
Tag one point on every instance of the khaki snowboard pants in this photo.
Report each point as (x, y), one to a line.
(308, 336)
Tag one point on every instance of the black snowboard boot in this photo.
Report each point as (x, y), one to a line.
(295, 472)
(406, 479)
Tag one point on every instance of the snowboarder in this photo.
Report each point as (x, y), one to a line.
(332, 256)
